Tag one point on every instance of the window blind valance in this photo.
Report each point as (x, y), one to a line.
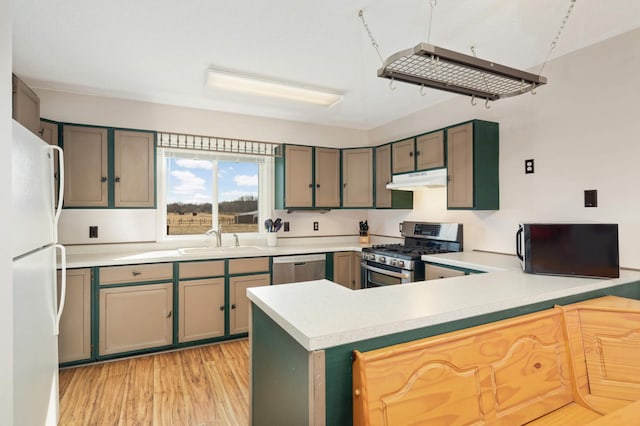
(218, 144)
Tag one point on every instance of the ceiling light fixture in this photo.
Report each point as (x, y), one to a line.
(275, 89)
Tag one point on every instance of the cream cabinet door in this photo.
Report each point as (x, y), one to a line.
(460, 166)
(343, 269)
(201, 309)
(430, 151)
(134, 169)
(346, 269)
(357, 175)
(239, 312)
(26, 106)
(383, 176)
(434, 272)
(135, 317)
(85, 166)
(403, 156)
(74, 340)
(327, 176)
(298, 179)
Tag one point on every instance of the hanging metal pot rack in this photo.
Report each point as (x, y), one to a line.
(430, 66)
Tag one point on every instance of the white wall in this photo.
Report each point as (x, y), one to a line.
(68, 107)
(581, 130)
(74, 108)
(6, 293)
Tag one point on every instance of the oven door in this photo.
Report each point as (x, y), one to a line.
(377, 275)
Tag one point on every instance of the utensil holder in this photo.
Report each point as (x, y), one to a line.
(272, 239)
(364, 239)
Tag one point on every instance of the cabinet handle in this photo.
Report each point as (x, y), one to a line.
(344, 185)
(417, 153)
(310, 185)
(449, 179)
(318, 186)
(103, 179)
(169, 314)
(222, 308)
(117, 179)
(411, 154)
(136, 273)
(233, 306)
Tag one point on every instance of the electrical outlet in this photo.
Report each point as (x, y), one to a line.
(591, 198)
(528, 166)
(93, 232)
(315, 226)
(286, 226)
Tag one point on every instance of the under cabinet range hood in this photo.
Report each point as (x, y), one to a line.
(419, 180)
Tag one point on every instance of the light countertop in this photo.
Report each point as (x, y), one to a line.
(477, 260)
(321, 314)
(84, 257)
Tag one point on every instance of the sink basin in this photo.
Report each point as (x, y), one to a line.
(219, 250)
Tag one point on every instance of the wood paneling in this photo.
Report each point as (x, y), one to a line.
(207, 385)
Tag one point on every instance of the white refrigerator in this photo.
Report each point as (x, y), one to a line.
(36, 308)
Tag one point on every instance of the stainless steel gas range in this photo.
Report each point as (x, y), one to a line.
(391, 264)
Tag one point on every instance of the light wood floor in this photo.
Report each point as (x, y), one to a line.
(206, 385)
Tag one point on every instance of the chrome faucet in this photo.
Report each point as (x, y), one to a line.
(218, 235)
(235, 236)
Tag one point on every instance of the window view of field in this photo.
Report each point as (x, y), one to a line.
(233, 217)
(209, 192)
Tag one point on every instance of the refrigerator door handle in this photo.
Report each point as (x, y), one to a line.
(63, 285)
(60, 186)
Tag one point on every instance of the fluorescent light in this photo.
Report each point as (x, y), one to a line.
(263, 87)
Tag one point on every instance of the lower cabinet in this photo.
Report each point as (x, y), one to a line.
(201, 309)
(135, 317)
(74, 340)
(346, 269)
(434, 272)
(239, 312)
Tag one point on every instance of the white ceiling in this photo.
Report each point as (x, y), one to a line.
(159, 50)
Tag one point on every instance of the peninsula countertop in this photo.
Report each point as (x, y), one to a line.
(321, 314)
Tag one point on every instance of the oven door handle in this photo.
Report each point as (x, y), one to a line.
(385, 271)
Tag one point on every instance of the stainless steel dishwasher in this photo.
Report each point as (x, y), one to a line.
(293, 269)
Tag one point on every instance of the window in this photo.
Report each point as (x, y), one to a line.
(204, 190)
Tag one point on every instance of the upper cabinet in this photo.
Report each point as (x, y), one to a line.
(89, 181)
(134, 169)
(386, 198)
(420, 153)
(26, 105)
(327, 177)
(430, 151)
(85, 165)
(308, 177)
(357, 178)
(404, 156)
(472, 166)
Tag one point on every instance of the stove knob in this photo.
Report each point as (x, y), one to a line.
(382, 259)
(393, 262)
(400, 263)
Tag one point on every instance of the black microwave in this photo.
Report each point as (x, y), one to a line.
(574, 249)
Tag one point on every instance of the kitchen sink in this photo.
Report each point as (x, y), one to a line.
(219, 250)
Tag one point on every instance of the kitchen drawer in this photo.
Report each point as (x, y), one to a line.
(136, 273)
(245, 266)
(214, 268)
(436, 272)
